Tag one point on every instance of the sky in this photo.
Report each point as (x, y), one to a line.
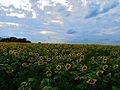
(61, 21)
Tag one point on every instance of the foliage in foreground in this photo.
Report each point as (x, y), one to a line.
(59, 67)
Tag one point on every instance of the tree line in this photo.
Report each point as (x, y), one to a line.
(14, 39)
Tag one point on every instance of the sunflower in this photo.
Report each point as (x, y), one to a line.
(9, 71)
(82, 57)
(92, 58)
(41, 57)
(109, 75)
(41, 62)
(30, 53)
(99, 73)
(10, 52)
(36, 54)
(25, 64)
(93, 61)
(79, 60)
(75, 66)
(91, 81)
(58, 67)
(84, 68)
(48, 59)
(104, 60)
(115, 66)
(67, 66)
(105, 67)
(79, 54)
(77, 78)
(48, 73)
(16, 53)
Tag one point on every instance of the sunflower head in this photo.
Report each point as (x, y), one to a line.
(77, 78)
(109, 75)
(16, 53)
(82, 57)
(84, 68)
(105, 67)
(58, 67)
(48, 73)
(68, 66)
(40, 62)
(79, 54)
(91, 81)
(11, 52)
(93, 61)
(79, 60)
(116, 66)
(25, 64)
(99, 73)
(104, 60)
(75, 66)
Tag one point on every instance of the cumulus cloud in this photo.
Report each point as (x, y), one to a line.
(10, 6)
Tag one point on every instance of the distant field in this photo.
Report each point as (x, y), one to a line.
(59, 67)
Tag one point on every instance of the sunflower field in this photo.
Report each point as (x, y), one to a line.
(59, 67)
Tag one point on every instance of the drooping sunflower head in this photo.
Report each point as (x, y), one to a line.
(48, 73)
(116, 66)
(109, 75)
(68, 66)
(78, 78)
(99, 73)
(40, 62)
(79, 60)
(25, 64)
(105, 67)
(75, 66)
(91, 81)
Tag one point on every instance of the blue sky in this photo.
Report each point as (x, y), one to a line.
(61, 21)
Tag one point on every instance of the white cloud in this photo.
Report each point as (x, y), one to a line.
(63, 2)
(84, 2)
(16, 15)
(57, 21)
(18, 4)
(43, 3)
(45, 32)
(48, 12)
(3, 24)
